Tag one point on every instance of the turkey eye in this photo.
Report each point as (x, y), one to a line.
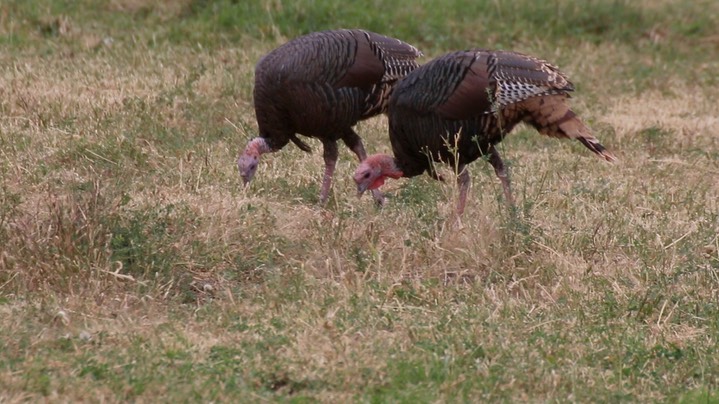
(366, 175)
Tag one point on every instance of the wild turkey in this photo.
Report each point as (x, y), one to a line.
(467, 101)
(320, 85)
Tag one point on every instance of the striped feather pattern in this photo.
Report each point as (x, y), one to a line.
(321, 84)
(473, 99)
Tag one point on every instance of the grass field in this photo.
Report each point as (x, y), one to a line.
(135, 267)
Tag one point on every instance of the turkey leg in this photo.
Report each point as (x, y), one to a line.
(463, 182)
(330, 156)
(496, 161)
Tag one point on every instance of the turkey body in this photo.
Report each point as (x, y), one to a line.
(456, 108)
(320, 85)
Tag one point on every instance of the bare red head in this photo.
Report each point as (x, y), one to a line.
(372, 172)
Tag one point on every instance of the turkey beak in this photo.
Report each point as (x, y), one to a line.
(245, 178)
(360, 189)
(245, 173)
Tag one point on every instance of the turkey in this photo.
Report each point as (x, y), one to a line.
(320, 85)
(457, 107)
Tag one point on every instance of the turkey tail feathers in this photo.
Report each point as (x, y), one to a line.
(302, 145)
(551, 116)
(593, 144)
(574, 128)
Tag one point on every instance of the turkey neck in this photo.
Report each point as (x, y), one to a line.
(257, 146)
(391, 167)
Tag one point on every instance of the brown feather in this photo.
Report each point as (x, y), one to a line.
(366, 70)
(466, 101)
(551, 116)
